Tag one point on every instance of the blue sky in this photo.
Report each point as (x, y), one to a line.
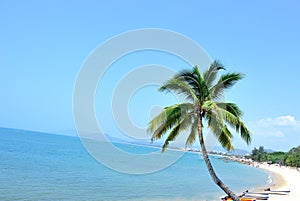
(44, 43)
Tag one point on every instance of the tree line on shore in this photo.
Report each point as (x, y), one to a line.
(290, 158)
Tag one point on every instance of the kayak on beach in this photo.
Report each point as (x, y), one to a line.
(256, 197)
(268, 189)
(266, 193)
(241, 199)
(256, 194)
(247, 198)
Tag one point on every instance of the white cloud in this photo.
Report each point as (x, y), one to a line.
(286, 121)
(276, 127)
(277, 133)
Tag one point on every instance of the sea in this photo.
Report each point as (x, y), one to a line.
(40, 166)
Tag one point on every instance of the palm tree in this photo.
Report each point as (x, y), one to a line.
(203, 93)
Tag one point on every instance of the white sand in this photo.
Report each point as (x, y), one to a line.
(284, 178)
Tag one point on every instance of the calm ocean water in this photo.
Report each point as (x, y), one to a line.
(39, 166)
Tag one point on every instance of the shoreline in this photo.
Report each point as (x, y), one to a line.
(283, 178)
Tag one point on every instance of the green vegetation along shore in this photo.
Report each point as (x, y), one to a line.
(290, 158)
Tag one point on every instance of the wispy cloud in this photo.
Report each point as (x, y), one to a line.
(282, 121)
(276, 127)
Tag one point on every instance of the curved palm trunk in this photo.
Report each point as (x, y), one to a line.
(209, 166)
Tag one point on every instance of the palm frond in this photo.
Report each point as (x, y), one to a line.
(230, 107)
(181, 87)
(225, 82)
(189, 77)
(195, 80)
(231, 115)
(215, 121)
(169, 117)
(218, 127)
(192, 136)
(245, 133)
(211, 73)
(180, 126)
(203, 89)
(225, 138)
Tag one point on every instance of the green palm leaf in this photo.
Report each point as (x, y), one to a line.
(193, 134)
(211, 74)
(169, 117)
(180, 126)
(225, 82)
(179, 86)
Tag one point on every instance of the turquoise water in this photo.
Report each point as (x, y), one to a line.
(39, 166)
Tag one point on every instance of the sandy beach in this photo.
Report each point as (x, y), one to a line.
(283, 178)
